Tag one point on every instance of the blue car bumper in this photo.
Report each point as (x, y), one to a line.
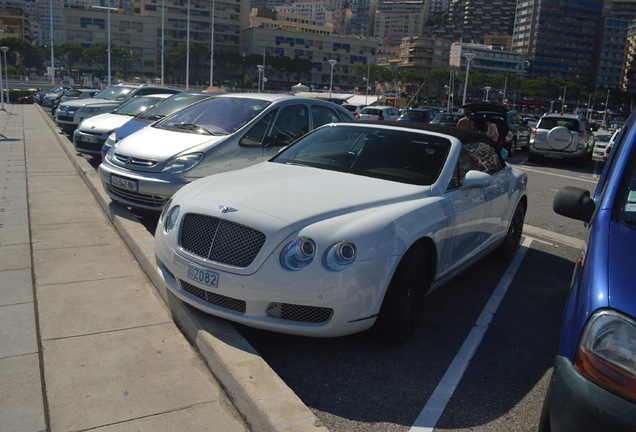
(579, 405)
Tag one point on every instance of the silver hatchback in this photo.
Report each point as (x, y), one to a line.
(219, 134)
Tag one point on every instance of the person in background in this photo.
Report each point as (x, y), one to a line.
(491, 131)
(466, 122)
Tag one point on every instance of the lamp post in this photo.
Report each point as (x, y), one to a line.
(469, 57)
(6, 76)
(212, 47)
(332, 62)
(260, 72)
(187, 83)
(1, 87)
(107, 47)
(605, 110)
(163, 8)
(51, 41)
(487, 88)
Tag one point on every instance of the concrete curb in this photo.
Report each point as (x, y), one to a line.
(258, 393)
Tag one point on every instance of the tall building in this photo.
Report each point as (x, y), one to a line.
(559, 38)
(362, 13)
(474, 18)
(395, 20)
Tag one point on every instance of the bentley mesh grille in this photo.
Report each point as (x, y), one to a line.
(219, 240)
(136, 197)
(292, 312)
(212, 298)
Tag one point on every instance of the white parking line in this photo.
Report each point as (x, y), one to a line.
(525, 167)
(436, 404)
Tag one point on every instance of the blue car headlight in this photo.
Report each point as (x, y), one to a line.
(606, 353)
(183, 163)
(298, 253)
(339, 255)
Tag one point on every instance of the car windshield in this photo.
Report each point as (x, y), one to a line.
(413, 115)
(172, 105)
(394, 155)
(372, 111)
(137, 105)
(447, 118)
(116, 93)
(552, 122)
(216, 116)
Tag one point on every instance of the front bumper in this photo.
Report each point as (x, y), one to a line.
(305, 303)
(89, 143)
(579, 405)
(143, 190)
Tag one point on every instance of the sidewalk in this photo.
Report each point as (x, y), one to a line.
(88, 339)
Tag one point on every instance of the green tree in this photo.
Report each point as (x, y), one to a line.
(69, 53)
(23, 53)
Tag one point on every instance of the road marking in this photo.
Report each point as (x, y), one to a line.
(436, 404)
(553, 236)
(527, 168)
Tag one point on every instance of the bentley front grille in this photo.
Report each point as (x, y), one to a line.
(220, 240)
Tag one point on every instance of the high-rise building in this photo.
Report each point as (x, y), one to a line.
(398, 19)
(559, 38)
(474, 18)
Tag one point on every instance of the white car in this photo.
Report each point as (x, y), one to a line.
(70, 114)
(379, 113)
(92, 133)
(348, 228)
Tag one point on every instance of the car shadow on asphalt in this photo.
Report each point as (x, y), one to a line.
(356, 380)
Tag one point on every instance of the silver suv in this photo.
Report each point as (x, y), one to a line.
(561, 136)
(70, 114)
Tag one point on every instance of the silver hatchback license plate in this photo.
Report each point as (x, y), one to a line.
(202, 276)
(123, 183)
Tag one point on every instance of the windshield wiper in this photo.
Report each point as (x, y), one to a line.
(154, 117)
(191, 127)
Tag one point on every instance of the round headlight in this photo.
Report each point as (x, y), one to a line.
(339, 255)
(171, 219)
(298, 253)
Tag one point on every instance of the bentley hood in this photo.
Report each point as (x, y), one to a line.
(296, 194)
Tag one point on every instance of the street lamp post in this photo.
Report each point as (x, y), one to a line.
(332, 62)
(6, 76)
(260, 72)
(604, 111)
(212, 47)
(487, 88)
(469, 57)
(1, 87)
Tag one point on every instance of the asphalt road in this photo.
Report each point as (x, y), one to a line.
(457, 373)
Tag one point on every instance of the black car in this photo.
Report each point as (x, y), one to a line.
(514, 132)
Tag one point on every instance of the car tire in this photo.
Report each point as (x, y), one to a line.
(559, 138)
(512, 241)
(404, 297)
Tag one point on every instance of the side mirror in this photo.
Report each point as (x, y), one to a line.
(574, 203)
(474, 179)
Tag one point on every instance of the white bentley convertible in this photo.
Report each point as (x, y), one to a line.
(346, 229)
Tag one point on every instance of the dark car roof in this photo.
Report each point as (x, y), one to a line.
(463, 135)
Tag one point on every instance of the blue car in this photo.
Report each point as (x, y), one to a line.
(156, 113)
(593, 387)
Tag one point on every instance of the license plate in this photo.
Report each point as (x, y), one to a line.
(205, 277)
(89, 139)
(554, 155)
(130, 185)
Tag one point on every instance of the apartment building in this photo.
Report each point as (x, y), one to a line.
(487, 59)
(395, 20)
